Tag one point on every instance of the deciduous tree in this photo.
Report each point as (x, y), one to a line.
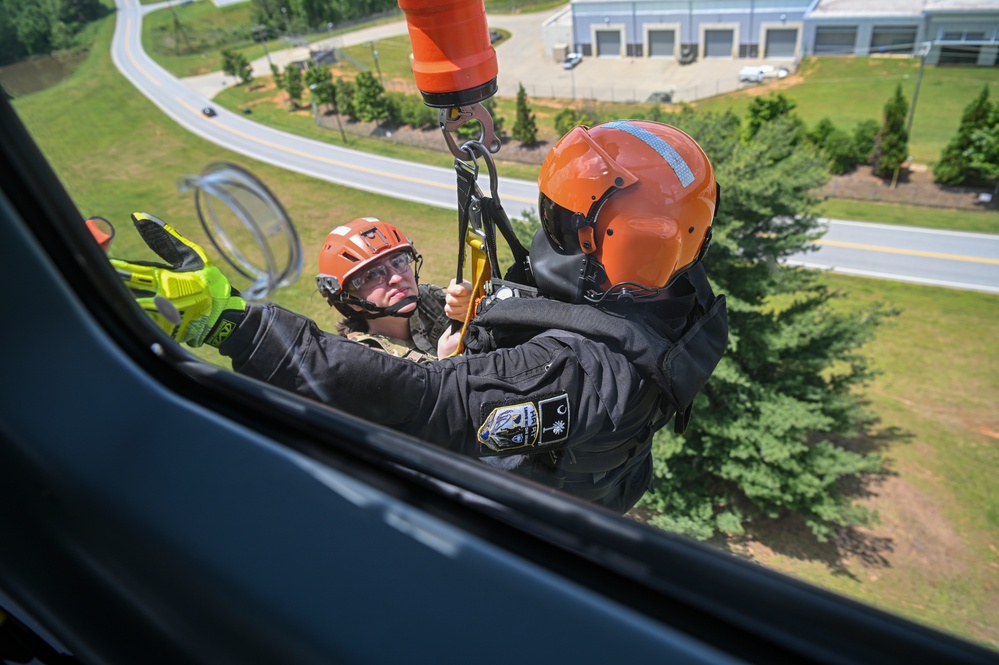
(369, 100)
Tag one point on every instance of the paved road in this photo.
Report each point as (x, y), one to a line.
(933, 257)
(959, 260)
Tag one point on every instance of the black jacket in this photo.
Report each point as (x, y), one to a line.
(569, 395)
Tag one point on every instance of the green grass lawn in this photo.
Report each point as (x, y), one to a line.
(936, 397)
(186, 39)
(868, 83)
(936, 402)
(907, 215)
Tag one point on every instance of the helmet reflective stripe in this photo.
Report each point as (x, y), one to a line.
(664, 149)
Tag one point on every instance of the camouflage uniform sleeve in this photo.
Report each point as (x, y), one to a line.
(390, 345)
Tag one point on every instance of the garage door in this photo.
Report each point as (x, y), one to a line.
(662, 43)
(960, 55)
(718, 43)
(830, 41)
(893, 39)
(781, 43)
(609, 43)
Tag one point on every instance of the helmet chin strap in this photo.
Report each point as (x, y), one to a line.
(372, 311)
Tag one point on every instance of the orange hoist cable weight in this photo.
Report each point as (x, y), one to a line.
(454, 62)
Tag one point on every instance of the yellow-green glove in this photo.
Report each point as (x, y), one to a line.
(188, 297)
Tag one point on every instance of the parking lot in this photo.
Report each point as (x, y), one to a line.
(522, 61)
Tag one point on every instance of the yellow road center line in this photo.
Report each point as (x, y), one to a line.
(128, 52)
(909, 252)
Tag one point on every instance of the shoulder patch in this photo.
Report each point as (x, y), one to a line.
(526, 424)
(554, 419)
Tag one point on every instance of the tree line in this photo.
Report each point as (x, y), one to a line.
(39, 27)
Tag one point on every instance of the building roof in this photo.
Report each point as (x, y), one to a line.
(961, 6)
(914, 8)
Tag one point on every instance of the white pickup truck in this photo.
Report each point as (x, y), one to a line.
(760, 73)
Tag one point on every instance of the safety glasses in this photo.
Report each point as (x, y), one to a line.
(379, 273)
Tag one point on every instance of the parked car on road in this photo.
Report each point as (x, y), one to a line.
(572, 60)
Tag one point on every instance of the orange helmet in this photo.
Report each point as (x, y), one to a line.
(348, 249)
(626, 206)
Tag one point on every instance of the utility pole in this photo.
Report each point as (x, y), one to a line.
(178, 27)
(374, 54)
(260, 34)
(924, 50)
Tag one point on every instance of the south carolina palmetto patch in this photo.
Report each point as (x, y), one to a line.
(526, 424)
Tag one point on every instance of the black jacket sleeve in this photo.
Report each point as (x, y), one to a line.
(554, 389)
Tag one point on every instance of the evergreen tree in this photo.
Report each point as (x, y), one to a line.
(568, 118)
(954, 167)
(865, 136)
(525, 128)
(369, 100)
(766, 434)
(892, 147)
(293, 84)
(983, 153)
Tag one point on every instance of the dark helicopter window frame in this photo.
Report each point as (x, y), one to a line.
(742, 609)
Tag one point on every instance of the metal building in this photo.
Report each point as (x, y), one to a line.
(946, 31)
